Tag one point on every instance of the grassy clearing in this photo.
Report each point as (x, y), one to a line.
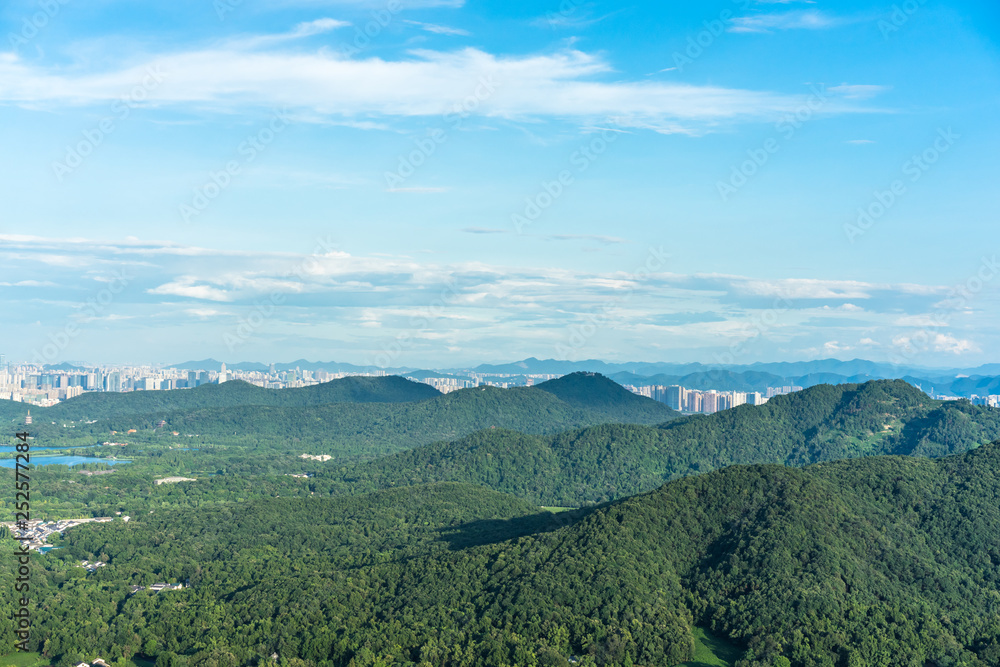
(711, 651)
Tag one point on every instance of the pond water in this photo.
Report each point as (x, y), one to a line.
(12, 448)
(63, 460)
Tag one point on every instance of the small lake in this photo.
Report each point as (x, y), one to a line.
(13, 448)
(61, 460)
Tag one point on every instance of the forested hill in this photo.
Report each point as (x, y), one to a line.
(382, 428)
(107, 405)
(615, 460)
(882, 562)
(366, 428)
(592, 390)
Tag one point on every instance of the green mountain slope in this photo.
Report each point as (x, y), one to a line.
(95, 405)
(355, 424)
(380, 428)
(609, 461)
(882, 561)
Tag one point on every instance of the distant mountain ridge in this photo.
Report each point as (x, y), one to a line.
(609, 461)
(233, 394)
(301, 364)
(782, 369)
(982, 380)
(350, 416)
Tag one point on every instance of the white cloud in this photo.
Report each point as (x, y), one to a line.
(921, 321)
(370, 4)
(480, 304)
(317, 27)
(833, 347)
(203, 313)
(29, 283)
(186, 287)
(937, 342)
(439, 29)
(300, 31)
(325, 87)
(858, 92)
(793, 20)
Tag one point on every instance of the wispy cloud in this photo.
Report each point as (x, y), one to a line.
(439, 29)
(485, 230)
(368, 4)
(858, 92)
(180, 286)
(300, 31)
(793, 20)
(324, 87)
(939, 342)
(574, 20)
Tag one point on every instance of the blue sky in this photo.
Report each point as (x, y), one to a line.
(439, 182)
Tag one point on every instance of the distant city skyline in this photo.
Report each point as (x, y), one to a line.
(435, 183)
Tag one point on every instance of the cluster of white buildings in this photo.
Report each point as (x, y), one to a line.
(991, 401)
(156, 588)
(38, 532)
(707, 402)
(450, 384)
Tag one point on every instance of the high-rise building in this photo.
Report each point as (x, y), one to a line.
(113, 382)
(710, 402)
(675, 395)
(223, 374)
